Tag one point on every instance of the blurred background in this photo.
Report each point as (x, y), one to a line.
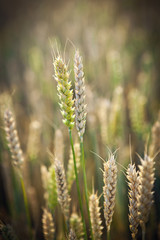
(120, 45)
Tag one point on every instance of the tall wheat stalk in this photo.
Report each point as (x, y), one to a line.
(80, 117)
(66, 103)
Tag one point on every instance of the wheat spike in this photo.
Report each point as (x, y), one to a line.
(80, 107)
(48, 225)
(12, 138)
(65, 94)
(133, 183)
(95, 216)
(70, 171)
(146, 182)
(109, 189)
(62, 191)
(77, 225)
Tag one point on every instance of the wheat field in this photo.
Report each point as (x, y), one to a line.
(80, 129)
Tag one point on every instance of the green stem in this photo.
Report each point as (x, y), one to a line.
(26, 205)
(85, 183)
(143, 231)
(108, 235)
(77, 183)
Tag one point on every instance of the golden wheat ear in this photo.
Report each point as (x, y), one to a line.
(48, 225)
(65, 93)
(146, 183)
(62, 190)
(133, 184)
(80, 107)
(95, 216)
(12, 139)
(109, 189)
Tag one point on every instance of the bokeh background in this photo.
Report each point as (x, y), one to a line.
(120, 45)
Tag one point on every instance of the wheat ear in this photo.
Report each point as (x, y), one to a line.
(77, 225)
(12, 138)
(109, 189)
(80, 107)
(95, 216)
(65, 94)
(133, 183)
(62, 190)
(48, 225)
(146, 182)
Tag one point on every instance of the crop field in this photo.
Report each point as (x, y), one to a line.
(79, 124)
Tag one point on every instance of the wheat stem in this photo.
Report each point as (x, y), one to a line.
(77, 183)
(85, 182)
(108, 235)
(26, 206)
(143, 231)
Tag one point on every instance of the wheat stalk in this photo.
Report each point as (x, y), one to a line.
(62, 190)
(80, 107)
(12, 138)
(109, 189)
(133, 183)
(48, 225)
(70, 171)
(146, 182)
(95, 216)
(65, 94)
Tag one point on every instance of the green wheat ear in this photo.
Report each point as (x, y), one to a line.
(65, 94)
